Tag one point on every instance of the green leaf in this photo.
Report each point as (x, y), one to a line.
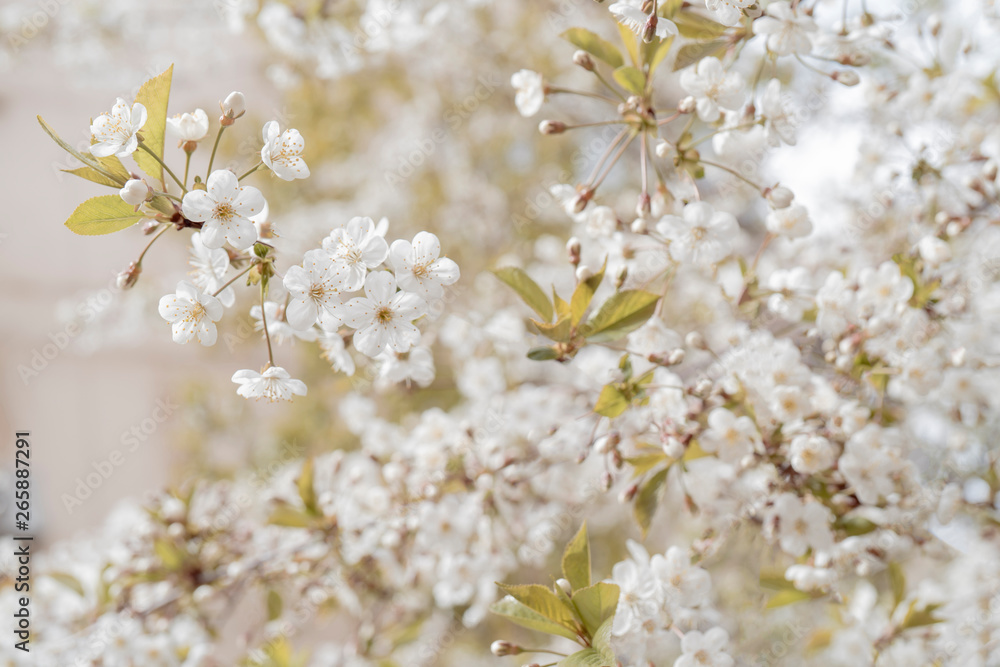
(919, 618)
(561, 307)
(631, 79)
(274, 605)
(154, 95)
(100, 166)
(576, 560)
(306, 491)
(559, 331)
(526, 617)
(689, 54)
(595, 45)
(91, 174)
(612, 402)
(290, 517)
(855, 525)
(786, 597)
(622, 313)
(648, 497)
(584, 294)
(542, 600)
(696, 26)
(631, 43)
(601, 640)
(588, 657)
(897, 581)
(67, 580)
(643, 463)
(102, 215)
(542, 354)
(168, 553)
(527, 289)
(656, 52)
(596, 604)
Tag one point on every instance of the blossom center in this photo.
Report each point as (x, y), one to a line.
(225, 212)
(384, 315)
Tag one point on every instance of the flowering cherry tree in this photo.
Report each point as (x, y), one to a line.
(680, 406)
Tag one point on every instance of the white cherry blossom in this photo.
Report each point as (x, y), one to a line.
(713, 88)
(357, 247)
(282, 152)
(419, 267)
(530, 92)
(226, 210)
(787, 31)
(186, 127)
(315, 291)
(700, 235)
(383, 318)
(629, 13)
(274, 384)
(192, 314)
(115, 132)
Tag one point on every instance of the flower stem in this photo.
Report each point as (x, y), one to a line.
(235, 278)
(263, 320)
(151, 242)
(215, 147)
(250, 171)
(164, 165)
(596, 96)
(734, 173)
(614, 160)
(187, 166)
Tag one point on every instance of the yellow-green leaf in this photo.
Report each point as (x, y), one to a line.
(622, 313)
(527, 289)
(785, 598)
(306, 491)
(596, 604)
(656, 52)
(290, 517)
(102, 215)
(91, 174)
(897, 581)
(274, 605)
(526, 617)
(601, 640)
(103, 166)
(171, 557)
(631, 79)
(648, 497)
(576, 559)
(696, 26)
(918, 618)
(595, 45)
(631, 43)
(689, 54)
(154, 95)
(559, 331)
(611, 402)
(542, 354)
(643, 463)
(588, 657)
(542, 600)
(584, 293)
(67, 580)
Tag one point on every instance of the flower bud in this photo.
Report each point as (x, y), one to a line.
(687, 105)
(675, 357)
(551, 127)
(502, 648)
(129, 277)
(990, 170)
(134, 192)
(583, 272)
(628, 494)
(846, 77)
(566, 587)
(695, 340)
(234, 106)
(649, 30)
(933, 250)
(780, 197)
(573, 250)
(640, 226)
(583, 59)
(644, 206)
(621, 277)
(149, 227)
